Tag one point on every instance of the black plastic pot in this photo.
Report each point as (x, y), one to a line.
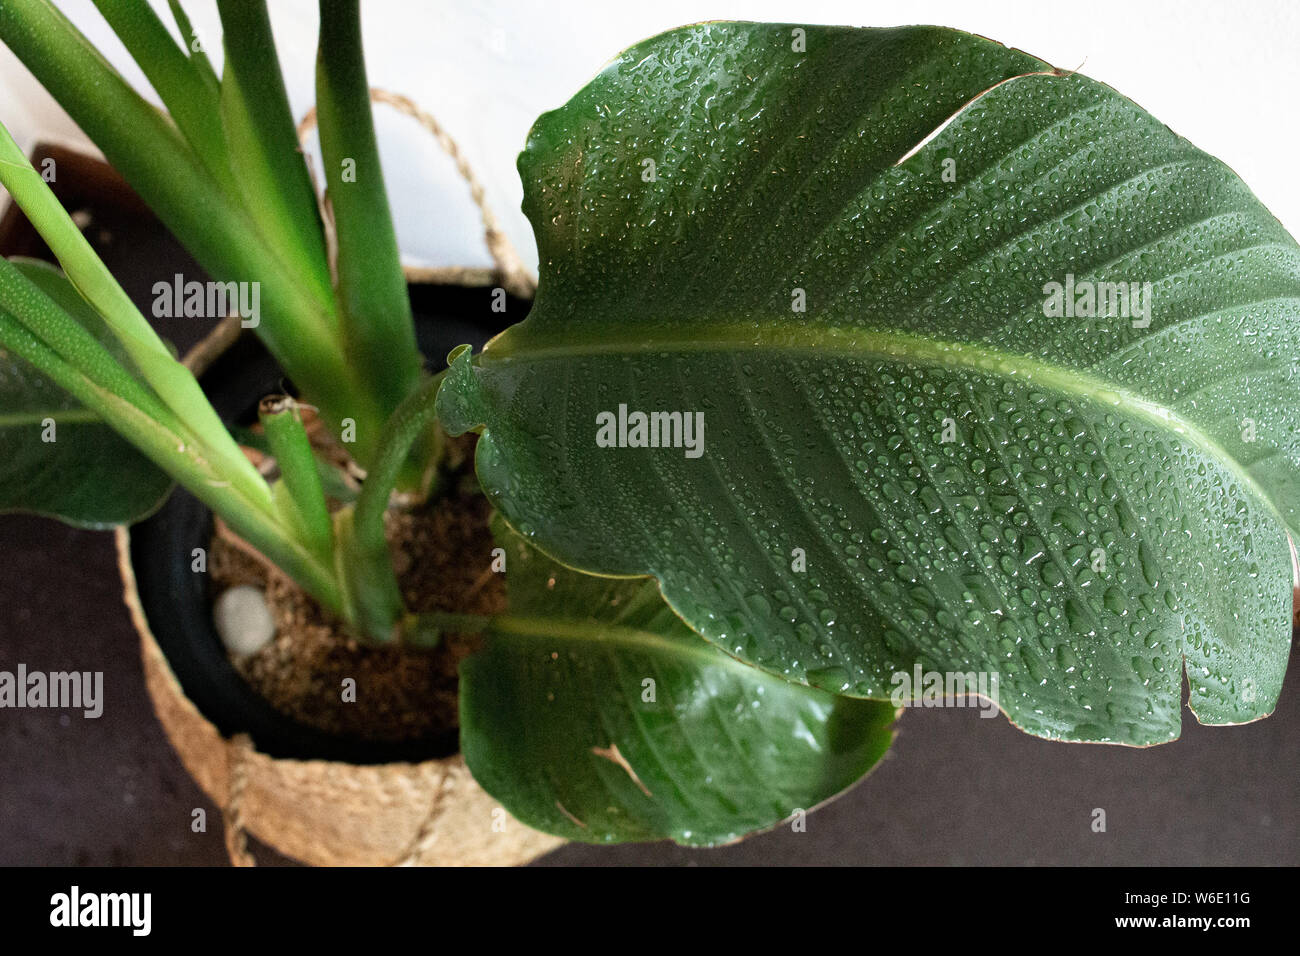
(178, 603)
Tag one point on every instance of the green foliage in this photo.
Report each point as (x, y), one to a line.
(978, 482)
(593, 712)
(855, 351)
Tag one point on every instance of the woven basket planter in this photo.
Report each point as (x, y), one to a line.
(328, 813)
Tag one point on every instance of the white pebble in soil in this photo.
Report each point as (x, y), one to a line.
(243, 620)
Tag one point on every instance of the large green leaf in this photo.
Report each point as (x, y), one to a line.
(594, 713)
(87, 475)
(1117, 495)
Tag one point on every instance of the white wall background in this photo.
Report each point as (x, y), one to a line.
(1226, 76)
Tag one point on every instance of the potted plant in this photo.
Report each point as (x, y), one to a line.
(867, 368)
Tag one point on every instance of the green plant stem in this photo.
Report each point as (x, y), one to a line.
(298, 322)
(264, 150)
(305, 499)
(190, 94)
(57, 330)
(374, 307)
(365, 564)
(173, 383)
(198, 56)
(169, 449)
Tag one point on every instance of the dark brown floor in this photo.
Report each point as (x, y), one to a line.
(955, 790)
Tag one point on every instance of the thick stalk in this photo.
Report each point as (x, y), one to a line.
(168, 449)
(297, 320)
(172, 382)
(190, 93)
(374, 308)
(304, 495)
(263, 141)
(365, 564)
(198, 55)
(54, 325)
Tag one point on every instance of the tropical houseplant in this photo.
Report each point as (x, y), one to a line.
(857, 354)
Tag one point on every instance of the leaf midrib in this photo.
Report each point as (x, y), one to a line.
(512, 346)
(588, 631)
